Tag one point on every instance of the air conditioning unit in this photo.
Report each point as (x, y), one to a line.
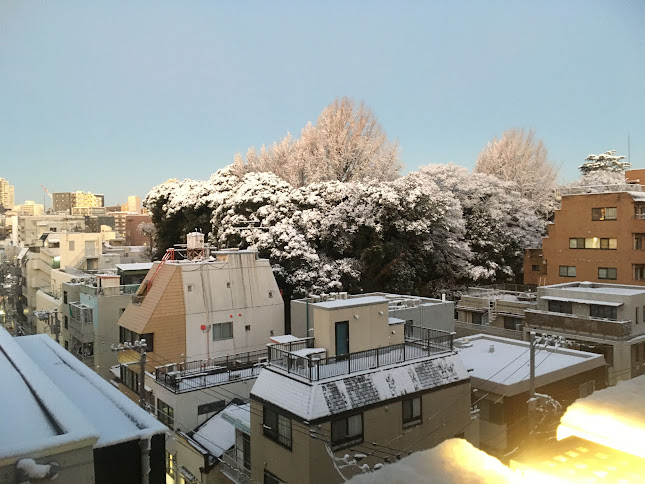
(74, 281)
(342, 295)
(316, 299)
(324, 297)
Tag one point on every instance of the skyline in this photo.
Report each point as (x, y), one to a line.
(118, 98)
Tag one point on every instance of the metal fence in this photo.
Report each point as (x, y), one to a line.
(420, 343)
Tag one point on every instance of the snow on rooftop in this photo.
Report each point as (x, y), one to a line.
(582, 301)
(454, 461)
(506, 369)
(317, 400)
(395, 321)
(285, 338)
(135, 266)
(349, 303)
(115, 417)
(595, 288)
(613, 417)
(217, 434)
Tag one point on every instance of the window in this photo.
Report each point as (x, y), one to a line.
(222, 331)
(270, 294)
(170, 464)
(511, 322)
(67, 345)
(212, 407)
(127, 336)
(228, 285)
(564, 307)
(64, 297)
(491, 411)
(587, 388)
(271, 478)
(636, 315)
(130, 379)
(535, 268)
(277, 427)
(189, 288)
(608, 213)
(600, 311)
(165, 413)
(639, 272)
(246, 451)
(610, 244)
(347, 431)
(247, 327)
(411, 412)
(66, 320)
(578, 243)
(607, 273)
(479, 318)
(567, 271)
(638, 241)
(71, 246)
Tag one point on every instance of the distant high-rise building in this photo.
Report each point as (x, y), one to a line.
(66, 201)
(134, 204)
(30, 207)
(7, 199)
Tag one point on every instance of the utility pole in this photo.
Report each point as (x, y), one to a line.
(140, 347)
(532, 403)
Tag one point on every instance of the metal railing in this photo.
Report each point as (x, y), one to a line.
(609, 187)
(235, 470)
(180, 377)
(420, 343)
(577, 324)
(81, 312)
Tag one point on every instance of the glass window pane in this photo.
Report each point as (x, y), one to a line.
(610, 213)
(355, 425)
(613, 243)
(416, 407)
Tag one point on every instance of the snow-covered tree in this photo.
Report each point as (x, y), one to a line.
(607, 162)
(521, 158)
(347, 143)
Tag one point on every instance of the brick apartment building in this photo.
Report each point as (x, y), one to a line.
(597, 235)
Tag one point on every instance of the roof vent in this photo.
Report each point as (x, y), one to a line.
(491, 349)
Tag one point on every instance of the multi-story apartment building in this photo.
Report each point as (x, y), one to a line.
(27, 230)
(598, 234)
(30, 207)
(596, 317)
(7, 197)
(66, 201)
(131, 229)
(362, 390)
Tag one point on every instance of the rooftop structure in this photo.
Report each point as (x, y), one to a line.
(58, 410)
(500, 371)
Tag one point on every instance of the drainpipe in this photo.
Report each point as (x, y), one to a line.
(307, 305)
(144, 445)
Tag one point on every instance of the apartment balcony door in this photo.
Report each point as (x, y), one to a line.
(342, 338)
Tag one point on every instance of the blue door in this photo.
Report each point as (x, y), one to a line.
(342, 338)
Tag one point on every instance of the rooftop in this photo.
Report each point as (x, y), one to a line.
(506, 369)
(57, 400)
(597, 288)
(350, 303)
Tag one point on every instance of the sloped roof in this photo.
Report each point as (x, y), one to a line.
(217, 434)
(319, 400)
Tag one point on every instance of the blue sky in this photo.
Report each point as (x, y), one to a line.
(116, 97)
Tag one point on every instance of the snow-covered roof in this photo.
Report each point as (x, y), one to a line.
(505, 370)
(594, 288)
(582, 301)
(114, 417)
(217, 434)
(36, 414)
(395, 321)
(612, 416)
(285, 338)
(135, 266)
(350, 303)
(311, 401)
(454, 461)
(22, 252)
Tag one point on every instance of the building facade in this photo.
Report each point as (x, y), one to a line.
(7, 197)
(67, 201)
(598, 234)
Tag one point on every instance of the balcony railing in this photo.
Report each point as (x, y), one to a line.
(182, 377)
(420, 343)
(235, 470)
(578, 325)
(81, 312)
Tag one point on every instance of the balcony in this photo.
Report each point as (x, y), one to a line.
(195, 375)
(578, 325)
(235, 470)
(419, 343)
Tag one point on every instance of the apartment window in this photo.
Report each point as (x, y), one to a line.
(607, 273)
(170, 464)
(271, 478)
(189, 288)
(66, 320)
(347, 431)
(222, 331)
(71, 246)
(277, 427)
(564, 307)
(228, 285)
(608, 213)
(639, 272)
(64, 297)
(636, 315)
(587, 388)
(479, 318)
(491, 411)
(129, 378)
(411, 412)
(638, 241)
(601, 311)
(511, 322)
(567, 271)
(535, 268)
(67, 345)
(246, 451)
(165, 413)
(610, 244)
(577, 243)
